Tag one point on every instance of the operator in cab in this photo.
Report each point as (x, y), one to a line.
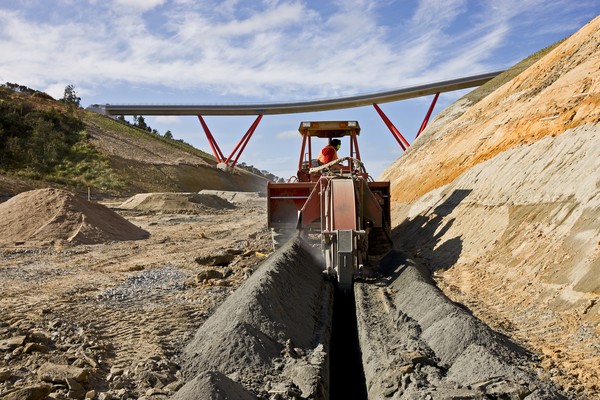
(329, 152)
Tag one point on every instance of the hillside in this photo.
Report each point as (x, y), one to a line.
(50, 143)
(500, 199)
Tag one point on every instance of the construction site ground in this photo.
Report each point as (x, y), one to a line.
(126, 319)
(123, 309)
(492, 290)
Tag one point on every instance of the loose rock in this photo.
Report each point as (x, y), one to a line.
(50, 372)
(36, 392)
(12, 343)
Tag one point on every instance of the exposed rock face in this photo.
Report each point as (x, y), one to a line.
(500, 199)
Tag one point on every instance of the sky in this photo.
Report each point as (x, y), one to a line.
(262, 51)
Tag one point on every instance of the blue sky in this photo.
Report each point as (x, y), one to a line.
(236, 51)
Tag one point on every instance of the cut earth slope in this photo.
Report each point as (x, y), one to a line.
(500, 200)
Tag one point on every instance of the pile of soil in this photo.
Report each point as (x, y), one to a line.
(176, 203)
(55, 215)
(413, 348)
(269, 338)
(235, 197)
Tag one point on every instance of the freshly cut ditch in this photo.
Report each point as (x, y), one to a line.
(279, 337)
(347, 377)
(417, 344)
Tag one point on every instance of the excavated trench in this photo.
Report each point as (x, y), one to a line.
(287, 334)
(347, 380)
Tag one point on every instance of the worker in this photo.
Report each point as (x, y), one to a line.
(329, 152)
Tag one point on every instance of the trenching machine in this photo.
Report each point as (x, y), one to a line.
(338, 201)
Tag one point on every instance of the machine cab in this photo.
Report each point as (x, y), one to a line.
(309, 168)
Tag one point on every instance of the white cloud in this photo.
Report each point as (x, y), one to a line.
(138, 5)
(288, 135)
(56, 90)
(284, 50)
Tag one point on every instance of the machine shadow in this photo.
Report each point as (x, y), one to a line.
(420, 237)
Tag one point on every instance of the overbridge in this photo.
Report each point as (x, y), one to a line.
(261, 109)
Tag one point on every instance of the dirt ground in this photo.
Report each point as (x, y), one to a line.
(119, 312)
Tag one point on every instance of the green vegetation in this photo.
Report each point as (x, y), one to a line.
(49, 144)
(86, 167)
(70, 96)
(48, 140)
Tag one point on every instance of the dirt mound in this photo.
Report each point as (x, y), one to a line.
(415, 347)
(235, 197)
(558, 93)
(271, 336)
(176, 202)
(51, 215)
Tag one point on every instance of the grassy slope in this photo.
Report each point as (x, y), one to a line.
(143, 161)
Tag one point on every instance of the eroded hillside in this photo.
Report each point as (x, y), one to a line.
(500, 199)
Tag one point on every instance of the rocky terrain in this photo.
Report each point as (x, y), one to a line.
(108, 320)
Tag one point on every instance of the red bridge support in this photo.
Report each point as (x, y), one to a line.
(397, 135)
(239, 148)
(426, 120)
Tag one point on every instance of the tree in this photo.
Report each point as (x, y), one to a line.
(169, 135)
(70, 96)
(140, 122)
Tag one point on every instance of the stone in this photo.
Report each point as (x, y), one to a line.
(117, 385)
(116, 370)
(35, 347)
(90, 394)
(39, 337)
(214, 260)
(18, 351)
(50, 372)
(416, 357)
(155, 391)
(5, 373)
(152, 379)
(174, 386)
(213, 273)
(406, 369)
(76, 391)
(12, 343)
(36, 392)
(503, 388)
